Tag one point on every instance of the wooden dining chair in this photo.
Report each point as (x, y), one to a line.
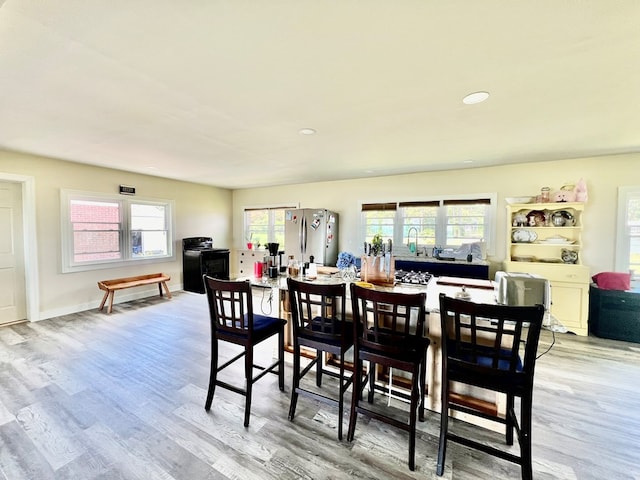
(389, 331)
(318, 316)
(492, 347)
(233, 321)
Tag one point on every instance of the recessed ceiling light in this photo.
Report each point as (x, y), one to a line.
(467, 161)
(475, 97)
(307, 131)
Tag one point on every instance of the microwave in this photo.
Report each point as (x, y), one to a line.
(522, 289)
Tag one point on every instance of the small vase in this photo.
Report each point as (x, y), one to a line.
(348, 273)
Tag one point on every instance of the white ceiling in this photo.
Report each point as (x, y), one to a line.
(215, 92)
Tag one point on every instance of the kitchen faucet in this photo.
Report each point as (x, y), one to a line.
(409, 240)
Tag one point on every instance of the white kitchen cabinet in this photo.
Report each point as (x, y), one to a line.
(246, 260)
(535, 244)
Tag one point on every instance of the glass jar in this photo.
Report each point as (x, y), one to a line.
(544, 195)
(292, 267)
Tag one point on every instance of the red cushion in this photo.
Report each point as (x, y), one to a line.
(613, 280)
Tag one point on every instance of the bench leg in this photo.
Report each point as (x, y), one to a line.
(104, 299)
(112, 293)
(166, 289)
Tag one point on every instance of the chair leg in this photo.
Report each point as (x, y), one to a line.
(341, 396)
(423, 387)
(372, 381)
(525, 436)
(356, 396)
(296, 379)
(248, 375)
(444, 426)
(281, 359)
(319, 368)
(213, 374)
(415, 399)
(509, 420)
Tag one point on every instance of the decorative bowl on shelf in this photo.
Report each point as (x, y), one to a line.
(569, 256)
(512, 200)
(524, 236)
(562, 218)
(536, 218)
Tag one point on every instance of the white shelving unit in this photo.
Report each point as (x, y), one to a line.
(535, 245)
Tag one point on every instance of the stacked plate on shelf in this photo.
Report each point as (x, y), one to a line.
(523, 258)
(557, 240)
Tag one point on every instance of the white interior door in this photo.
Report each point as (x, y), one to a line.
(12, 280)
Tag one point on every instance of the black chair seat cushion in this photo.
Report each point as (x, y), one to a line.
(263, 326)
(337, 334)
(412, 351)
(484, 360)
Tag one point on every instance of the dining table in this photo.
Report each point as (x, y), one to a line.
(473, 290)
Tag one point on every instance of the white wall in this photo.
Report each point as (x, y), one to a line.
(216, 212)
(199, 211)
(603, 176)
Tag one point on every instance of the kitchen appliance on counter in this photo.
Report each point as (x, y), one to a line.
(522, 289)
(312, 232)
(273, 260)
(199, 258)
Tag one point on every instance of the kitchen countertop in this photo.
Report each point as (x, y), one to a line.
(486, 294)
(422, 258)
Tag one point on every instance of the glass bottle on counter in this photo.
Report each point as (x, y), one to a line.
(293, 269)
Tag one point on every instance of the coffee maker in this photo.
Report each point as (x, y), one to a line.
(273, 260)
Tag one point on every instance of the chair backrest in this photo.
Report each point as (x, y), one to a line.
(317, 309)
(387, 321)
(490, 341)
(230, 306)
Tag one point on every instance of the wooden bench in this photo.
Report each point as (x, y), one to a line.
(110, 286)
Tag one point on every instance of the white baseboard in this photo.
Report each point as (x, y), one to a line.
(121, 296)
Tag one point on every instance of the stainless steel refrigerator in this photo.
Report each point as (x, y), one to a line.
(312, 232)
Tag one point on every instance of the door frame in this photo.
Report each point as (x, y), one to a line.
(29, 240)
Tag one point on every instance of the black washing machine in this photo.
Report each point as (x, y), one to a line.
(200, 258)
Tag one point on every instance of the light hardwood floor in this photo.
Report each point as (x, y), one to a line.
(120, 396)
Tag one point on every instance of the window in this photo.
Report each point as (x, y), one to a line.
(466, 221)
(419, 222)
(148, 230)
(446, 223)
(101, 230)
(628, 238)
(264, 225)
(378, 218)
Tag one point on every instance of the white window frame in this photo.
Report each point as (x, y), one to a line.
(68, 263)
(401, 244)
(623, 237)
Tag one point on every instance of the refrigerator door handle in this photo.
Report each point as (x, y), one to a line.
(303, 236)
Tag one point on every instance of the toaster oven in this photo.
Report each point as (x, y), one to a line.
(522, 289)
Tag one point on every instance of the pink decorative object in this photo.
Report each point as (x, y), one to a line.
(564, 196)
(581, 191)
